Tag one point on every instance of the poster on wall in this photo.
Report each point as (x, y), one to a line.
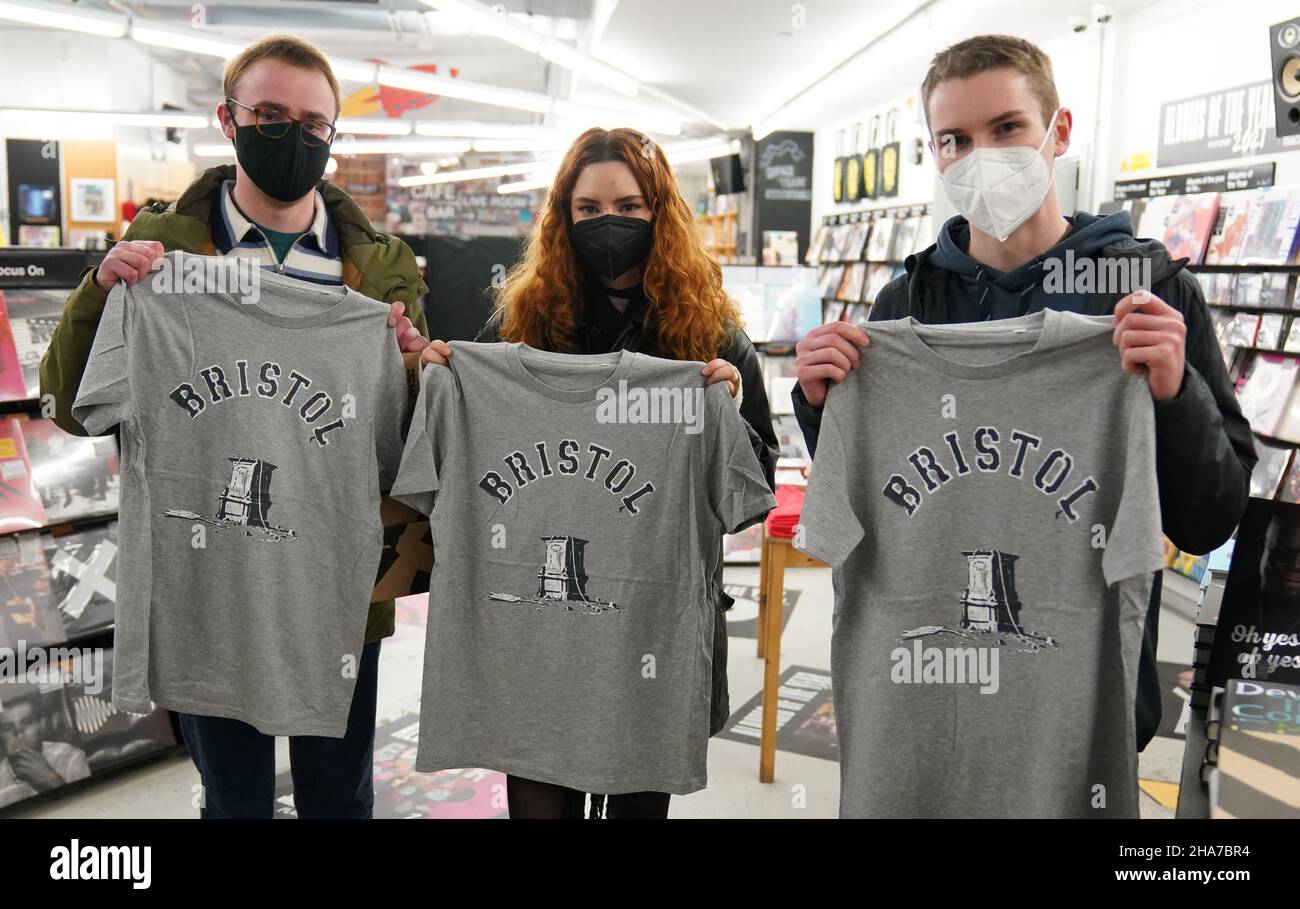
(93, 199)
(1230, 123)
(35, 200)
(469, 209)
(783, 187)
(34, 235)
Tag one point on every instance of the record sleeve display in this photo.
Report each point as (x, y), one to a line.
(830, 282)
(1224, 287)
(924, 233)
(66, 722)
(32, 316)
(1259, 619)
(13, 385)
(1264, 393)
(1275, 290)
(856, 241)
(28, 617)
(113, 736)
(828, 252)
(856, 313)
(815, 247)
(1152, 223)
(1269, 336)
(1229, 234)
(1241, 333)
(844, 239)
(76, 476)
(1271, 229)
(20, 503)
(904, 242)
(1258, 773)
(882, 234)
(1187, 226)
(83, 576)
(850, 289)
(877, 277)
(1247, 290)
(1270, 469)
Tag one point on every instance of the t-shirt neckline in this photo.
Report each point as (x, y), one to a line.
(518, 352)
(1046, 322)
(345, 295)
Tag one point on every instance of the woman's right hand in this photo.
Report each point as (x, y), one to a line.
(826, 355)
(436, 352)
(129, 261)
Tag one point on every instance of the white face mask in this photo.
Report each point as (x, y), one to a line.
(998, 189)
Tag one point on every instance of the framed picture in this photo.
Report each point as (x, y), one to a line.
(93, 199)
(36, 235)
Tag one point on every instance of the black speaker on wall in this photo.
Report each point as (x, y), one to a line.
(1284, 45)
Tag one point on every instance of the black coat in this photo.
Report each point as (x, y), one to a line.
(1204, 448)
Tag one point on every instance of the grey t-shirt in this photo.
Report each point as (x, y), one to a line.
(256, 438)
(986, 495)
(572, 600)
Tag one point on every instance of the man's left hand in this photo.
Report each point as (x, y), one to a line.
(1152, 336)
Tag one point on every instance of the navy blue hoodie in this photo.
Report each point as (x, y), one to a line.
(977, 292)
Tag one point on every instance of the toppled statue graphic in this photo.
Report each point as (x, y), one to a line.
(562, 581)
(990, 606)
(244, 503)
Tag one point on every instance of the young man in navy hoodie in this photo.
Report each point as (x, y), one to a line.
(996, 122)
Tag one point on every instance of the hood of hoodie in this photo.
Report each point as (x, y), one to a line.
(977, 292)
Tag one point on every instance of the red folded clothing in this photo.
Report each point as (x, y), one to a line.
(782, 519)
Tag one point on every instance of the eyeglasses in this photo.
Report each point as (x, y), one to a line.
(275, 124)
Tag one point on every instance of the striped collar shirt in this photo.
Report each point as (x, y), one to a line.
(315, 256)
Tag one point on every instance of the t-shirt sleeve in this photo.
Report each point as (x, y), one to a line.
(393, 412)
(1133, 540)
(104, 395)
(738, 492)
(828, 528)
(419, 475)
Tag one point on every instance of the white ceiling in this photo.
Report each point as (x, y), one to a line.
(735, 60)
(738, 59)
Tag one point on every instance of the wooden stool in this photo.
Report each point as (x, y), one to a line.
(776, 555)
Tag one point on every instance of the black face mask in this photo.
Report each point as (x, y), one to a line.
(611, 245)
(285, 169)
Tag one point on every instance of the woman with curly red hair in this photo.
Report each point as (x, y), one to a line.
(615, 263)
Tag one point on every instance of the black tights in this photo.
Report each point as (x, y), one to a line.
(531, 800)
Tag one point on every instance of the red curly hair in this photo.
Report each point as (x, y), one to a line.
(689, 314)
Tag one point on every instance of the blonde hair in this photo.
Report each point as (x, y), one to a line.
(287, 48)
(986, 52)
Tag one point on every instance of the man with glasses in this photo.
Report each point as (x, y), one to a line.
(281, 102)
